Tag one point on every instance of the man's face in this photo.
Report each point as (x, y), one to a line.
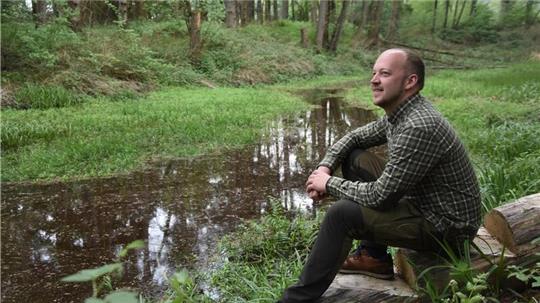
(389, 79)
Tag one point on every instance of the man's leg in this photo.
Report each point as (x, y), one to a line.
(362, 165)
(332, 246)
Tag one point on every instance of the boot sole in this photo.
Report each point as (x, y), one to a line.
(368, 273)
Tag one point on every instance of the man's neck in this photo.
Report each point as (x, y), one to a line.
(391, 108)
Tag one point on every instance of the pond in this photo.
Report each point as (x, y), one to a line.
(180, 208)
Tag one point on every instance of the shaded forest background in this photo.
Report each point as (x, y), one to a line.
(66, 50)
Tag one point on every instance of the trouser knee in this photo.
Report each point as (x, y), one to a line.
(345, 214)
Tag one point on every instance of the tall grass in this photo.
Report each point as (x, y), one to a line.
(264, 257)
(100, 137)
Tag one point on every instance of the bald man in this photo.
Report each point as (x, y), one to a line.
(425, 194)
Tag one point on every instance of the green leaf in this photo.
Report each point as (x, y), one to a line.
(137, 244)
(536, 282)
(122, 296)
(86, 275)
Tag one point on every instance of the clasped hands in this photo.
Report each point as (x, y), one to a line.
(316, 183)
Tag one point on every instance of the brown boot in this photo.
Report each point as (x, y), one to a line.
(363, 263)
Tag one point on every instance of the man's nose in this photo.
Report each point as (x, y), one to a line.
(375, 79)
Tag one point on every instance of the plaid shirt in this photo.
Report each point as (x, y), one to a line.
(427, 165)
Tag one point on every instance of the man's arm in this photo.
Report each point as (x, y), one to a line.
(372, 134)
(415, 152)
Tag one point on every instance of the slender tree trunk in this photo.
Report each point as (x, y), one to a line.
(195, 42)
(140, 11)
(293, 13)
(456, 24)
(528, 13)
(446, 9)
(122, 15)
(434, 21)
(339, 25)
(473, 7)
(39, 12)
(454, 17)
(329, 16)
(365, 12)
(268, 10)
(303, 38)
(251, 11)
(375, 27)
(230, 13)
(313, 12)
(393, 25)
(244, 12)
(285, 9)
(276, 10)
(260, 13)
(322, 24)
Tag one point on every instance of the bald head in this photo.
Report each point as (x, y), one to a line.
(412, 63)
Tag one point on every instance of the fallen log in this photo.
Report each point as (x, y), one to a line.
(517, 224)
(411, 264)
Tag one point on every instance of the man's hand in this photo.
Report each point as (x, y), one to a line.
(316, 183)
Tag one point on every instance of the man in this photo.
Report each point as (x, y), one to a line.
(425, 194)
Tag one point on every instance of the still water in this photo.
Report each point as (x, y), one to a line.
(180, 208)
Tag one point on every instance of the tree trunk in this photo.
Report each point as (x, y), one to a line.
(39, 12)
(285, 9)
(195, 42)
(456, 23)
(303, 38)
(473, 7)
(455, 9)
(244, 12)
(230, 13)
(251, 11)
(446, 9)
(339, 25)
(276, 10)
(393, 25)
(528, 13)
(259, 12)
(313, 12)
(293, 13)
(268, 10)
(322, 24)
(516, 224)
(329, 16)
(374, 28)
(434, 21)
(140, 11)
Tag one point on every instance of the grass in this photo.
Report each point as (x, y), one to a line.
(103, 137)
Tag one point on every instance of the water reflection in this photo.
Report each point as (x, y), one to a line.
(180, 208)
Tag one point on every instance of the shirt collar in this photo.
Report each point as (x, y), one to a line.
(402, 108)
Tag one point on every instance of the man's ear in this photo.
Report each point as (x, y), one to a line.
(411, 81)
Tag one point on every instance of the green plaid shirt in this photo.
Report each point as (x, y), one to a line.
(427, 165)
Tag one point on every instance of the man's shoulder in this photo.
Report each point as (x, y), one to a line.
(423, 116)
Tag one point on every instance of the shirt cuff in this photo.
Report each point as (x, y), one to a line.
(333, 186)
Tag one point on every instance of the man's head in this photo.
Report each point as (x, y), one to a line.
(397, 75)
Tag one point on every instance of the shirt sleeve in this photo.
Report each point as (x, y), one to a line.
(415, 152)
(369, 135)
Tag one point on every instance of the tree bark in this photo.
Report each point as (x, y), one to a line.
(322, 24)
(434, 21)
(293, 13)
(122, 15)
(195, 42)
(314, 12)
(268, 10)
(516, 224)
(303, 38)
(339, 25)
(259, 12)
(473, 7)
(39, 12)
(285, 9)
(528, 13)
(456, 23)
(446, 9)
(393, 25)
(374, 27)
(230, 13)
